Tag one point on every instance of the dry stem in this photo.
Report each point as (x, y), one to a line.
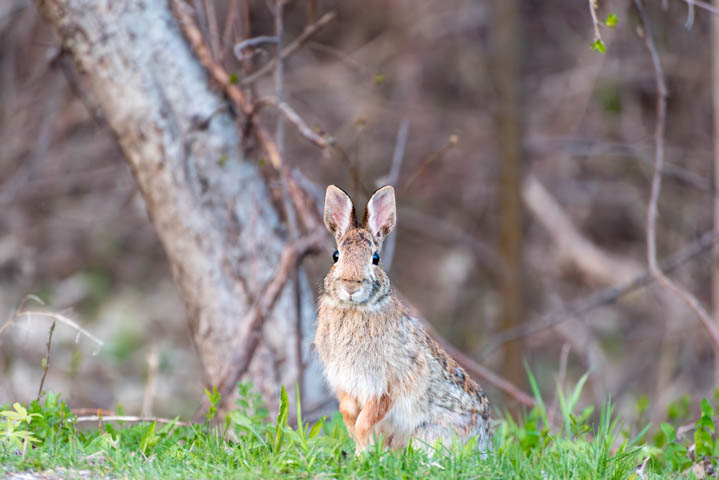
(46, 361)
(689, 299)
(585, 304)
(291, 48)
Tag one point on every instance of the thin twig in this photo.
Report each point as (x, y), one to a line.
(662, 92)
(583, 305)
(295, 120)
(291, 48)
(431, 158)
(149, 394)
(279, 14)
(213, 29)
(690, 14)
(400, 146)
(391, 179)
(20, 307)
(579, 147)
(595, 21)
(705, 5)
(46, 361)
(126, 418)
(253, 42)
(62, 319)
(230, 21)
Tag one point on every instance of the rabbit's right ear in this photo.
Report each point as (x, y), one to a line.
(339, 212)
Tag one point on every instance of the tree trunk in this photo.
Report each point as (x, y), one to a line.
(507, 75)
(209, 204)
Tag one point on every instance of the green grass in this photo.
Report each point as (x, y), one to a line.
(583, 445)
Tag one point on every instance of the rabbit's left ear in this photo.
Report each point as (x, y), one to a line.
(339, 212)
(380, 215)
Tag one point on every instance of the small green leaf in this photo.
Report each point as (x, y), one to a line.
(148, 438)
(703, 442)
(233, 78)
(611, 20)
(379, 79)
(707, 409)
(598, 46)
(668, 431)
(316, 428)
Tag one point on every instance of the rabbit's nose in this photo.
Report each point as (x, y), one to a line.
(351, 286)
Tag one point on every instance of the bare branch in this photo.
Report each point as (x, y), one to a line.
(59, 318)
(296, 120)
(690, 300)
(572, 244)
(309, 31)
(251, 332)
(704, 5)
(579, 307)
(194, 36)
(391, 179)
(253, 42)
(690, 14)
(397, 156)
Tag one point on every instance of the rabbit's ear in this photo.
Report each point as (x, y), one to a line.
(339, 212)
(381, 213)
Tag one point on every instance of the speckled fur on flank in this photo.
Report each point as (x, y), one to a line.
(390, 377)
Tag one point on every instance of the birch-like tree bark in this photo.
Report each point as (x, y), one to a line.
(209, 204)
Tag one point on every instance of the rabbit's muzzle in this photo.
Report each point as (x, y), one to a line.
(352, 291)
(351, 286)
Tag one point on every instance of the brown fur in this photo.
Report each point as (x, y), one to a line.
(350, 409)
(390, 376)
(372, 412)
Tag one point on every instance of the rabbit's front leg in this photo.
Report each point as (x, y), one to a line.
(350, 409)
(371, 414)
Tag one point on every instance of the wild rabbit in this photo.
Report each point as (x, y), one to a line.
(390, 377)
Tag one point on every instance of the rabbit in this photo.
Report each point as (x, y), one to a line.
(390, 377)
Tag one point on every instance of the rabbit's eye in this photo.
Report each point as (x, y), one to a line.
(336, 256)
(375, 258)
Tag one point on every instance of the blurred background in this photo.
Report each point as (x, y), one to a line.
(526, 160)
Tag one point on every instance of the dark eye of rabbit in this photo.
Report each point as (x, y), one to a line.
(375, 258)
(336, 256)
